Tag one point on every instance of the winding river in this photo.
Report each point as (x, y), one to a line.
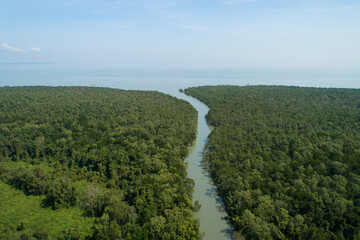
(212, 213)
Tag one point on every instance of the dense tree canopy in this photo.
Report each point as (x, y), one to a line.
(286, 159)
(118, 156)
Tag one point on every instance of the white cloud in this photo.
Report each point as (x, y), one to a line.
(6, 47)
(11, 49)
(230, 2)
(35, 49)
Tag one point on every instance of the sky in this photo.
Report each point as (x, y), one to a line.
(178, 34)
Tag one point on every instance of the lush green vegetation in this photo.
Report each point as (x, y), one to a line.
(24, 215)
(286, 159)
(94, 163)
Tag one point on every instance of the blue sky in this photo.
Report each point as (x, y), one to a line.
(182, 33)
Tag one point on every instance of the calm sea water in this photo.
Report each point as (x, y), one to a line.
(167, 80)
(212, 214)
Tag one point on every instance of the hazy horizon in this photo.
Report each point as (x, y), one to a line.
(173, 79)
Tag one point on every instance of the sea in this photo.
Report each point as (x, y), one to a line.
(166, 80)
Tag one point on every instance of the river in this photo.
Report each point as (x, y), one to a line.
(212, 211)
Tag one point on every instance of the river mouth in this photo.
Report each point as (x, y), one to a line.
(213, 225)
